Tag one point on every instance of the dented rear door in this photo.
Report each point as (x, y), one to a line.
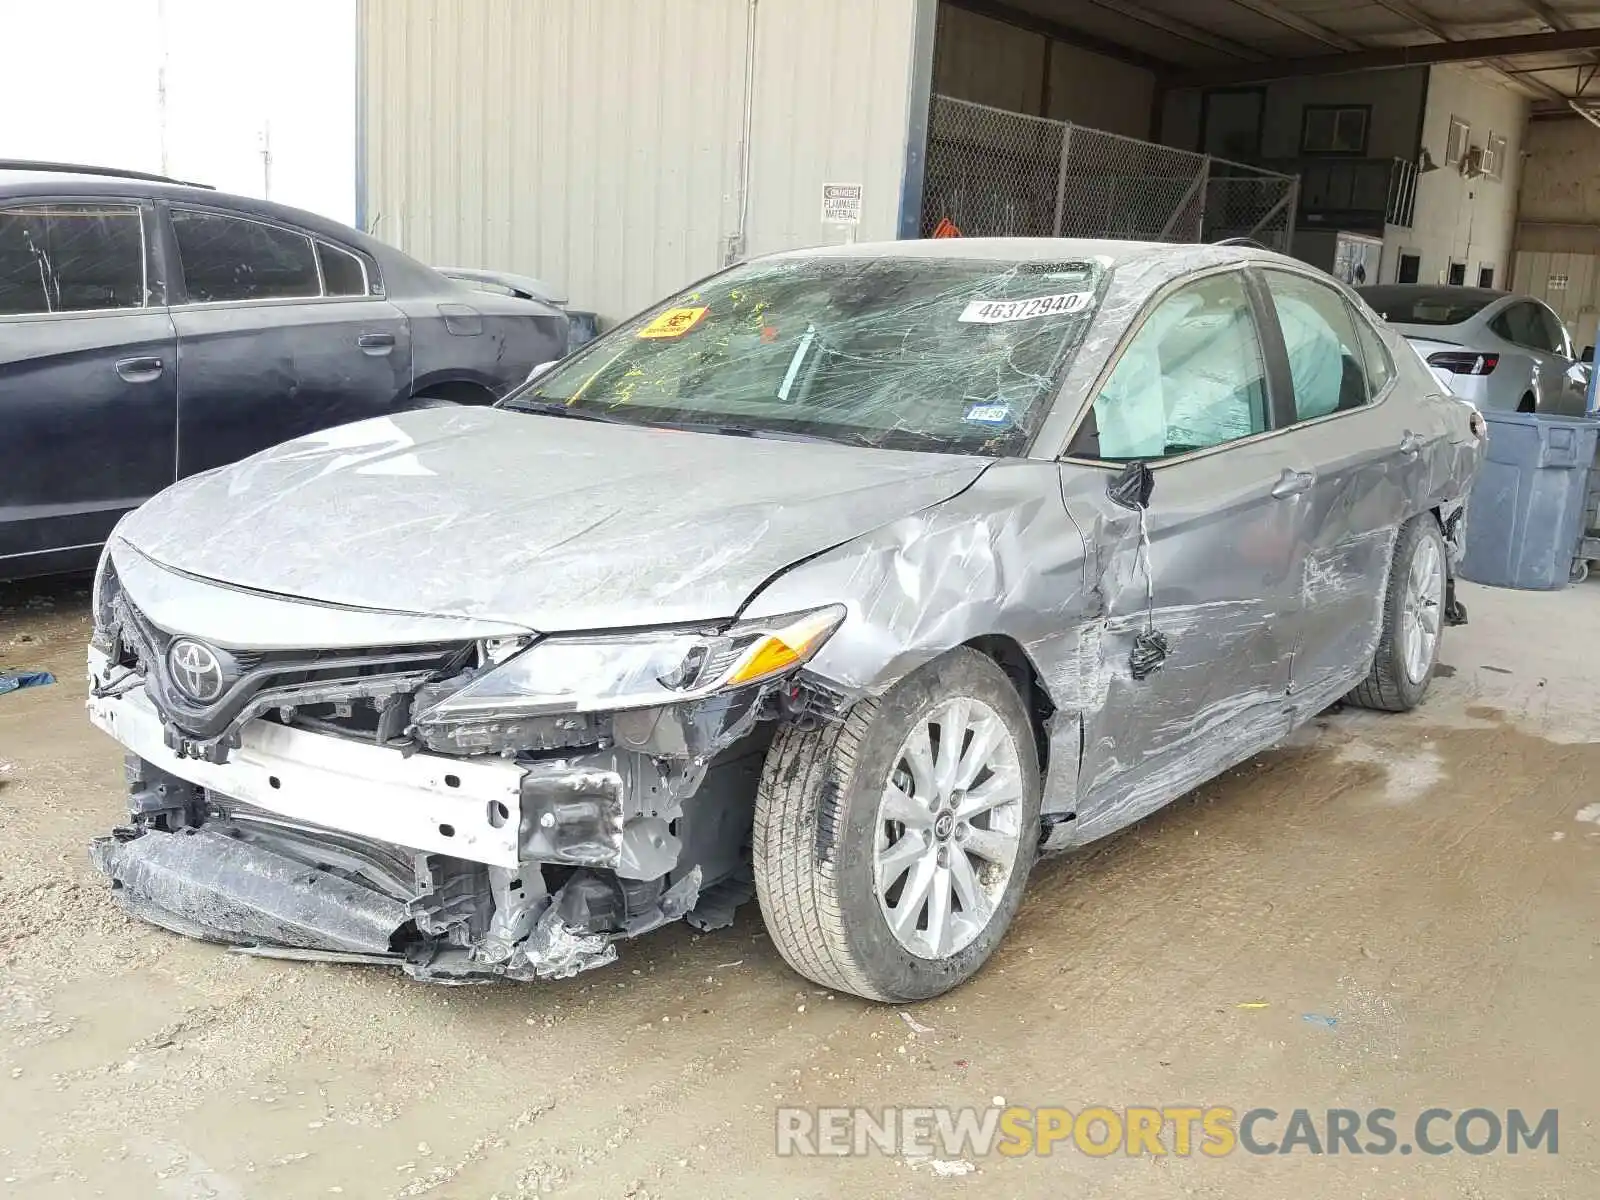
(1366, 445)
(268, 350)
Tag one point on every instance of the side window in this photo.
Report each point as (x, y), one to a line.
(1518, 324)
(230, 258)
(1552, 334)
(1380, 367)
(342, 272)
(1193, 376)
(70, 258)
(1319, 336)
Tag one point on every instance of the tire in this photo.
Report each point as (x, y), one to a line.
(1392, 685)
(819, 831)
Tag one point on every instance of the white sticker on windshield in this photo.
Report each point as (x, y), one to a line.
(989, 414)
(994, 312)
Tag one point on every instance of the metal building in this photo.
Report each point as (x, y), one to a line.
(623, 148)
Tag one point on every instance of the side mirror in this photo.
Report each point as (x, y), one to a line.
(1587, 355)
(1131, 486)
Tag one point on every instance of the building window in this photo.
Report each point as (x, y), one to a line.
(1410, 268)
(1494, 156)
(1486, 275)
(1457, 274)
(1334, 128)
(1457, 142)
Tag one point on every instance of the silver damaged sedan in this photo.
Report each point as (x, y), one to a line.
(850, 579)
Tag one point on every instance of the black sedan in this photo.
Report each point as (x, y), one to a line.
(151, 330)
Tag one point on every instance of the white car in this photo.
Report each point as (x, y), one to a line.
(1497, 349)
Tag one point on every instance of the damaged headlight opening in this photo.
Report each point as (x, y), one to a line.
(610, 673)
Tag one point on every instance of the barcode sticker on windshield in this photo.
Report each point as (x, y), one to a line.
(994, 312)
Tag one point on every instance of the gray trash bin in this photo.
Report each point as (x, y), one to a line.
(1525, 518)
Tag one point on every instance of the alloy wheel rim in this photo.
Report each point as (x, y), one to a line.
(1422, 610)
(949, 828)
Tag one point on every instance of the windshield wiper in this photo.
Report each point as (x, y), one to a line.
(729, 430)
(559, 408)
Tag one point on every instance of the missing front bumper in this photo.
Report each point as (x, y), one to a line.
(455, 868)
(284, 891)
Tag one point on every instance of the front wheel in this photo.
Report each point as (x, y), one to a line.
(891, 850)
(1413, 619)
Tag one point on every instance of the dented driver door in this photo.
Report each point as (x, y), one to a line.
(1213, 573)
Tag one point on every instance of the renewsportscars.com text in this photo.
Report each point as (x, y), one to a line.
(1212, 1131)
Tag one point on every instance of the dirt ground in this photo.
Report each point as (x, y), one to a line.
(1393, 911)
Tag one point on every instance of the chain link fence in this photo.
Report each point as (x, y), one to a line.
(994, 173)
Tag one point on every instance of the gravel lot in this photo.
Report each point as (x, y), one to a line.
(1426, 888)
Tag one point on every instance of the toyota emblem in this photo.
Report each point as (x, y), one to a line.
(196, 670)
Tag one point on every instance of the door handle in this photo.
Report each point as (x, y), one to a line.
(1411, 444)
(1293, 483)
(376, 343)
(139, 370)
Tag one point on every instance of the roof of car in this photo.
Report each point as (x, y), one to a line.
(22, 183)
(402, 274)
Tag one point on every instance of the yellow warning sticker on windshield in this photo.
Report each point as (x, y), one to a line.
(675, 322)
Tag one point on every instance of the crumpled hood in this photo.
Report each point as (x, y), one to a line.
(545, 522)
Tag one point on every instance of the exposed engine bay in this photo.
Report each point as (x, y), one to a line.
(324, 803)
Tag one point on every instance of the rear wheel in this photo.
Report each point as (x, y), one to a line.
(891, 850)
(1413, 621)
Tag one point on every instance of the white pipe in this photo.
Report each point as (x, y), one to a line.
(736, 247)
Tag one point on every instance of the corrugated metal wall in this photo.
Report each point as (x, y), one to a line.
(596, 143)
(832, 90)
(1568, 283)
(1558, 223)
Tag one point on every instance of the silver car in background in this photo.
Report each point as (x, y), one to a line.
(1497, 349)
(852, 579)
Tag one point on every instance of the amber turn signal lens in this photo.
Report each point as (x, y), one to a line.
(787, 647)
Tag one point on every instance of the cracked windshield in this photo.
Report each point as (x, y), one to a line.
(900, 353)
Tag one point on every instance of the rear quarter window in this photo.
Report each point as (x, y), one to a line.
(343, 274)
